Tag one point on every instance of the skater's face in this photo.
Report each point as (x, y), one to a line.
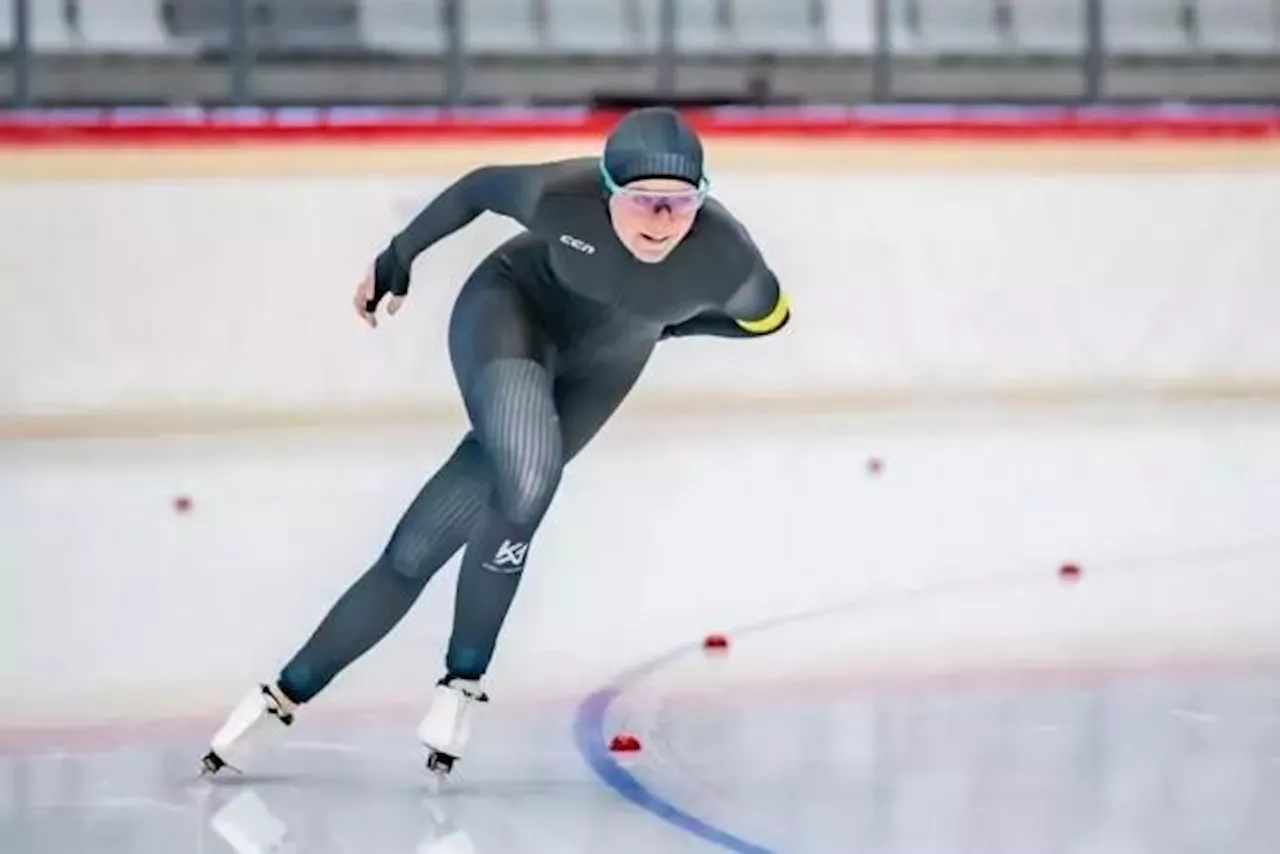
(653, 215)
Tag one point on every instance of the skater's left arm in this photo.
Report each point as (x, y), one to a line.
(511, 191)
(759, 307)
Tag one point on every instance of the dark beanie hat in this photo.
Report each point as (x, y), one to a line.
(653, 142)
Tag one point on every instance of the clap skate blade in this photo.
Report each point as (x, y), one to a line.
(211, 764)
(440, 764)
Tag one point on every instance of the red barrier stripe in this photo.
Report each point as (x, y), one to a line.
(210, 130)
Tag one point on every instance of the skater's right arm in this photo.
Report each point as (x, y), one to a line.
(511, 191)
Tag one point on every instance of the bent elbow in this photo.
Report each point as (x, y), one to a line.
(775, 320)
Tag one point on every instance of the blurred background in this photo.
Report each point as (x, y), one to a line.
(548, 52)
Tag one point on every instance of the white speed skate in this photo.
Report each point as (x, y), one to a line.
(446, 729)
(258, 718)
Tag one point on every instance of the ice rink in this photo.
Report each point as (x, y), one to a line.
(906, 671)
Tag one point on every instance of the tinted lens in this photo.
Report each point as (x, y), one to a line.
(677, 203)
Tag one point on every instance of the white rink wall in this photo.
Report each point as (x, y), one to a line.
(143, 299)
(234, 295)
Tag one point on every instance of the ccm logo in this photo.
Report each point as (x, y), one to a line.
(580, 245)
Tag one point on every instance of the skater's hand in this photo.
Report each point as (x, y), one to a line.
(366, 301)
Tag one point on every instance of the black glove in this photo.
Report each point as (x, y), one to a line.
(389, 277)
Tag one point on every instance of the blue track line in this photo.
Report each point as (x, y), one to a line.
(589, 735)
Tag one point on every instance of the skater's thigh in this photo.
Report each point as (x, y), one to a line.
(491, 322)
(503, 363)
(588, 399)
(502, 357)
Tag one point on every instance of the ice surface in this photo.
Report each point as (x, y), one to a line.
(906, 673)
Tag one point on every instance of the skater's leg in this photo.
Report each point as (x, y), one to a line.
(531, 430)
(431, 531)
(504, 364)
(514, 413)
(495, 556)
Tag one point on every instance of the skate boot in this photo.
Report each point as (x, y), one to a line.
(446, 729)
(260, 716)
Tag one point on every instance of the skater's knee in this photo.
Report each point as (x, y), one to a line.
(438, 521)
(402, 557)
(526, 487)
(411, 556)
(513, 407)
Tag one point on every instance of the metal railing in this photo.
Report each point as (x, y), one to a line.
(226, 50)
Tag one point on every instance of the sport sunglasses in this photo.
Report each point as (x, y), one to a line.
(652, 201)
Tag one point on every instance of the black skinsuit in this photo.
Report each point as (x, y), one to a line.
(547, 337)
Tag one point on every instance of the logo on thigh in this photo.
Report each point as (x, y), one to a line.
(509, 557)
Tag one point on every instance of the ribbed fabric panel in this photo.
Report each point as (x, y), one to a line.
(442, 515)
(667, 165)
(519, 430)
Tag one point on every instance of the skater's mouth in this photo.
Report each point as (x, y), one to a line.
(657, 240)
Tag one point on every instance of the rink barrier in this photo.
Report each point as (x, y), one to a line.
(814, 156)
(83, 144)
(1020, 371)
(132, 126)
(646, 406)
